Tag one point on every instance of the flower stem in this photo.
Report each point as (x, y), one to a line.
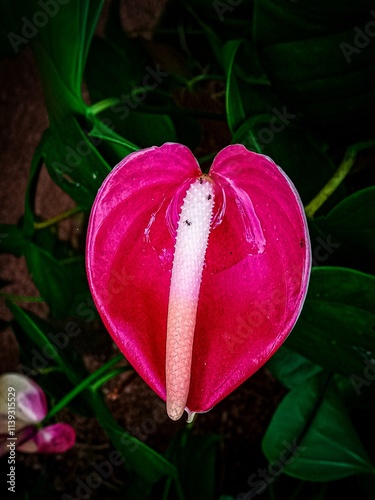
(58, 218)
(91, 380)
(100, 106)
(21, 298)
(201, 78)
(340, 174)
(334, 182)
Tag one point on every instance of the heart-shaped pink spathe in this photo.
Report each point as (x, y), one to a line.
(255, 277)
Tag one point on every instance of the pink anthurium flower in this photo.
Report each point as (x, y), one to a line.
(23, 405)
(198, 278)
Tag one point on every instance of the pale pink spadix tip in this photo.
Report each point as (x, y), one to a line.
(190, 248)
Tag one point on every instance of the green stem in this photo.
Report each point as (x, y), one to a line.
(271, 491)
(168, 484)
(21, 298)
(334, 182)
(340, 174)
(58, 218)
(100, 106)
(167, 487)
(297, 490)
(201, 78)
(108, 376)
(88, 381)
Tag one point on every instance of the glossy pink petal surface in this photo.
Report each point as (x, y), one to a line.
(254, 281)
(56, 438)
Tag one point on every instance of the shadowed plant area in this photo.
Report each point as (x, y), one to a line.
(197, 317)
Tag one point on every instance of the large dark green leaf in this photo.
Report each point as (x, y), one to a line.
(61, 282)
(114, 70)
(304, 19)
(62, 64)
(61, 58)
(306, 77)
(248, 90)
(312, 437)
(291, 148)
(337, 326)
(143, 129)
(264, 124)
(74, 162)
(48, 353)
(121, 72)
(290, 368)
(109, 143)
(318, 60)
(133, 80)
(138, 457)
(352, 220)
(48, 344)
(57, 270)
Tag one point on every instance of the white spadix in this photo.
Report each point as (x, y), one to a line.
(190, 248)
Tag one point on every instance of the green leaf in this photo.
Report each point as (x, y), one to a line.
(61, 64)
(264, 124)
(328, 448)
(61, 282)
(113, 145)
(36, 165)
(47, 341)
(248, 92)
(300, 21)
(195, 459)
(74, 162)
(235, 110)
(94, 381)
(299, 71)
(57, 384)
(143, 129)
(337, 326)
(290, 368)
(314, 77)
(12, 240)
(113, 71)
(352, 220)
(315, 64)
(48, 354)
(291, 148)
(138, 457)
(58, 273)
(118, 68)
